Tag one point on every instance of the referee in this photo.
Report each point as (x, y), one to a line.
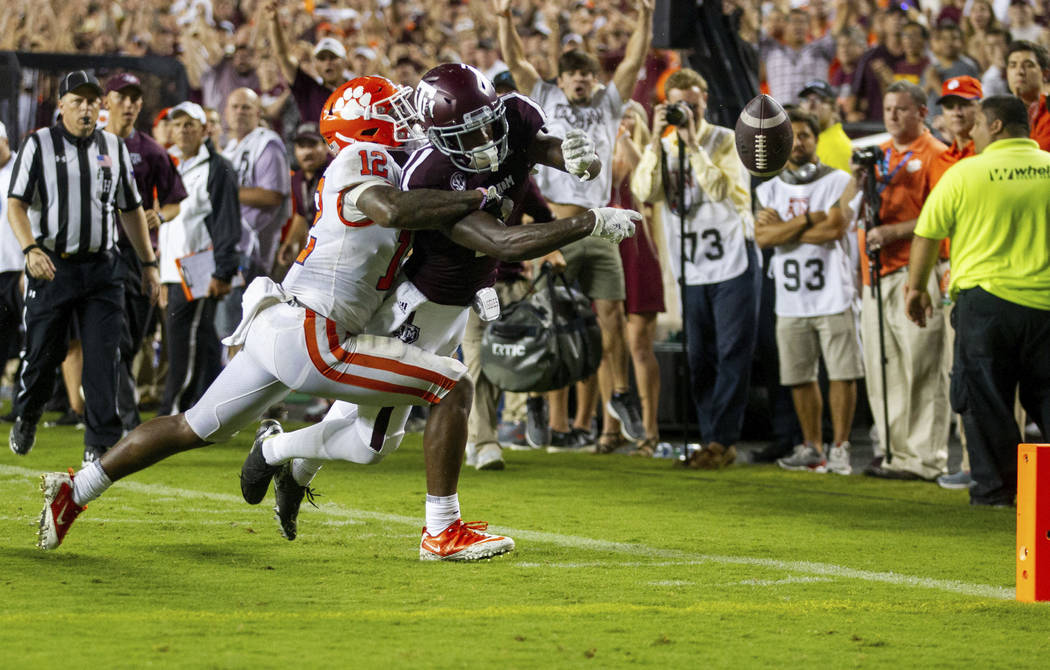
(66, 182)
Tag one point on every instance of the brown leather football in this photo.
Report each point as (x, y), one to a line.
(764, 136)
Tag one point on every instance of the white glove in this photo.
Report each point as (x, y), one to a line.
(613, 224)
(577, 150)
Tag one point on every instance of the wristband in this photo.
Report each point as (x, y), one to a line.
(150, 264)
(484, 197)
(32, 246)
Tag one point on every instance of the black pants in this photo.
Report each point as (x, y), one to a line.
(91, 289)
(139, 314)
(10, 315)
(1000, 346)
(194, 351)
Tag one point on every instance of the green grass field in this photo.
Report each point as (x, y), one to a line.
(620, 562)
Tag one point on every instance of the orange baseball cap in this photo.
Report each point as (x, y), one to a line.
(964, 87)
(161, 115)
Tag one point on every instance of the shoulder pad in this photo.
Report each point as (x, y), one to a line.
(361, 162)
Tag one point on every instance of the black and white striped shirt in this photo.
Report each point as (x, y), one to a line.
(72, 186)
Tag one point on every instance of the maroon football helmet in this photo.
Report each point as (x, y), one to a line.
(463, 116)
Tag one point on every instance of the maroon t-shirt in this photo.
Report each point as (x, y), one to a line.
(309, 96)
(303, 192)
(155, 176)
(445, 272)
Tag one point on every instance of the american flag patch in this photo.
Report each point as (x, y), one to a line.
(105, 161)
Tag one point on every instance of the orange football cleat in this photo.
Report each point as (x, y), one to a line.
(463, 542)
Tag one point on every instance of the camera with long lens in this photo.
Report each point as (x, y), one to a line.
(867, 156)
(676, 115)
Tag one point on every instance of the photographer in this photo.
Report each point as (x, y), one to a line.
(722, 274)
(917, 393)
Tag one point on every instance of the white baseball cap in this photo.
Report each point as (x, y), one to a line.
(366, 52)
(190, 109)
(331, 45)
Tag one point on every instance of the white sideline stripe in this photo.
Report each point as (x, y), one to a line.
(577, 542)
(191, 522)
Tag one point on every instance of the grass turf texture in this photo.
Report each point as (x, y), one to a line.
(620, 562)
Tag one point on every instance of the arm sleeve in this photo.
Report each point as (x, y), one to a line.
(535, 121)
(721, 174)
(26, 173)
(647, 181)
(224, 221)
(127, 192)
(937, 219)
(763, 193)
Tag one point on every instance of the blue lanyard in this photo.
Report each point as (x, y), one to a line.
(884, 164)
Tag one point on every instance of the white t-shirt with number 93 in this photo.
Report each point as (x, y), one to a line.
(811, 279)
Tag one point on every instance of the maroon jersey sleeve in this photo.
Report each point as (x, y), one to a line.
(532, 120)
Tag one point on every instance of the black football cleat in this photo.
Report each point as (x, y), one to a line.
(288, 495)
(256, 473)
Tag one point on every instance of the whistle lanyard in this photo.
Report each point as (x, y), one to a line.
(884, 164)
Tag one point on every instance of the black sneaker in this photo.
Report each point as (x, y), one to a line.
(771, 452)
(92, 454)
(583, 438)
(289, 496)
(570, 443)
(22, 436)
(70, 418)
(256, 473)
(624, 406)
(537, 423)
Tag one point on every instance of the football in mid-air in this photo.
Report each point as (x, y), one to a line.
(764, 136)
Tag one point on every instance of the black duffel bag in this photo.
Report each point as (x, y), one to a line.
(545, 341)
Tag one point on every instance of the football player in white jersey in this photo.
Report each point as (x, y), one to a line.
(478, 140)
(815, 295)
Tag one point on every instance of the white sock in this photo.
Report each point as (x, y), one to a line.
(442, 512)
(330, 440)
(90, 483)
(303, 470)
(269, 451)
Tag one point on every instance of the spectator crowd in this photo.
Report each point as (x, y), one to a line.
(231, 172)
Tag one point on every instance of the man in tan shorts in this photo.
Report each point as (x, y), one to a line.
(815, 296)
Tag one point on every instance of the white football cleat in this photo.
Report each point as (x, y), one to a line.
(59, 511)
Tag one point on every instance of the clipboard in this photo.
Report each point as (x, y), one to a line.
(195, 271)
